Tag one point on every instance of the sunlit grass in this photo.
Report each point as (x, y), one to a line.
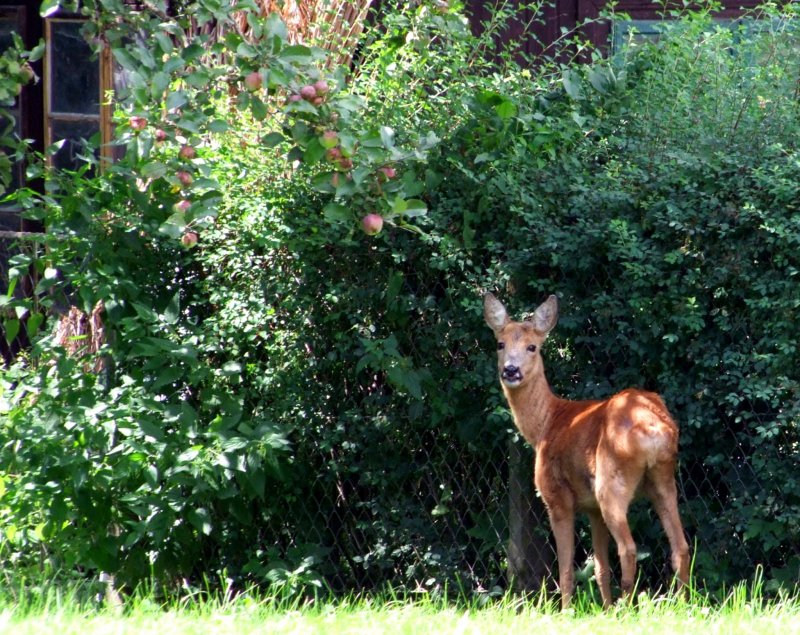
(75, 612)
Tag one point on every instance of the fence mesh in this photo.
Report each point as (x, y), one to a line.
(462, 510)
(404, 502)
(482, 523)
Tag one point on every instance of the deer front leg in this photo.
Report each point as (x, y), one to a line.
(562, 522)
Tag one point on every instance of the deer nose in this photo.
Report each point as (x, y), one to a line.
(511, 372)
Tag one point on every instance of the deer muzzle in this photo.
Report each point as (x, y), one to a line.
(511, 375)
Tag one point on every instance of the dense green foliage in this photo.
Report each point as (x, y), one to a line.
(292, 401)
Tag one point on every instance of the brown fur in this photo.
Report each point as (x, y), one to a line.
(591, 456)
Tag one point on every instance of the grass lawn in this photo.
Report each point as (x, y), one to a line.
(62, 616)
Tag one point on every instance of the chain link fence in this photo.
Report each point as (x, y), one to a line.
(481, 524)
(449, 508)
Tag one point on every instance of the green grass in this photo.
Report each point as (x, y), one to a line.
(64, 614)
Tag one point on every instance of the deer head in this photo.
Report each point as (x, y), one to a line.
(518, 343)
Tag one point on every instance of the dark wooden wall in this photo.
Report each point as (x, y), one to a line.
(567, 14)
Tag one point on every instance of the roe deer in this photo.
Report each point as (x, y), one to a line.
(591, 456)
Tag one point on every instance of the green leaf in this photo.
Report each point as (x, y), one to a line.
(201, 519)
(37, 52)
(194, 51)
(335, 213)
(173, 309)
(11, 327)
(506, 109)
(600, 79)
(164, 42)
(150, 429)
(198, 79)
(313, 152)
(415, 207)
(218, 126)
(166, 376)
(188, 125)
(33, 324)
(174, 226)
(246, 51)
(272, 139)
(154, 170)
(159, 85)
(125, 59)
(301, 106)
(348, 143)
(405, 379)
(572, 84)
(48, 7)
(322, 183)
(274, 27)
(296, 53)
(259, 108)
(176, 99)
(399, 205)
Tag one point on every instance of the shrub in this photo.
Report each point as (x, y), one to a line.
(293, 402)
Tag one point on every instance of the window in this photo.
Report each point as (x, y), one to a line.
(73, 91)
(67, 104)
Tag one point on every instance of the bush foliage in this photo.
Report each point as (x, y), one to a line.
(293, 402)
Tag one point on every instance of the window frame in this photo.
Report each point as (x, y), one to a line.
(105, 84)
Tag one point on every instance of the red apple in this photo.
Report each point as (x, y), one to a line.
(345, 164)
(183, 205)
(318, 101)
(321, 86)
(189, 239)
(308, 92)
(137, 123)
(160, 135)
(372, 224)
(334, 154)
(184, 177)
(187, 152)
(388, 171)
(329, 139)
(253, 81)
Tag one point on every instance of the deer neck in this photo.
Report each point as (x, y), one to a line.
(532, 406)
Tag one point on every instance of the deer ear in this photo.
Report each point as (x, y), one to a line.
(494, 313)
(546, 316)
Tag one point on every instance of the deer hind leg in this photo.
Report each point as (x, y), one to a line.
(602, 569)
(614, 499)
(662, 491)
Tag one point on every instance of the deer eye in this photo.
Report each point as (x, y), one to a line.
(532, 348)
(501, 346)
